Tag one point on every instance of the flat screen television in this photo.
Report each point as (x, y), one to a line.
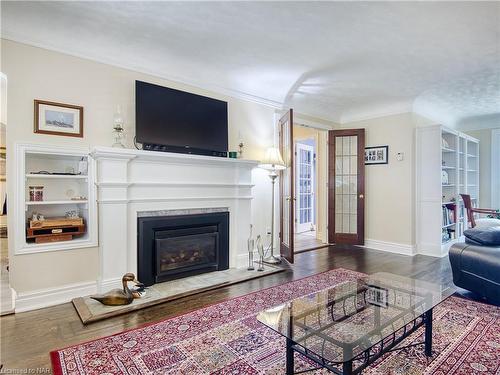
(178, 121)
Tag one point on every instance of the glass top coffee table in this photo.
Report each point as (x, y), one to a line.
(347, 327)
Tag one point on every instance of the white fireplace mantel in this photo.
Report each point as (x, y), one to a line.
(130, 182)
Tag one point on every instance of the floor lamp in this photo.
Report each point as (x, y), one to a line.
(272, 162)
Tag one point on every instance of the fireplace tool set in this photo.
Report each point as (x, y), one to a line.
(251, 244)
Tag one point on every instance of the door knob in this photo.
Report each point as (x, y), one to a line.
(361, 196)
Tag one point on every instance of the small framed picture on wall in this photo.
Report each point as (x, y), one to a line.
(377, 155)
(58, 119)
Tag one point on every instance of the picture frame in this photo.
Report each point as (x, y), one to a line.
(58, 119)
(376, 155)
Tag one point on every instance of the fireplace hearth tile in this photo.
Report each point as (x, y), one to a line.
(90, 310)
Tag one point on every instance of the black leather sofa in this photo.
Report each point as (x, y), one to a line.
(477, 268)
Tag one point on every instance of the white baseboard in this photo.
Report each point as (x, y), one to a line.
(41, 298)
(391, 247)
(106, 285)
(433, 250)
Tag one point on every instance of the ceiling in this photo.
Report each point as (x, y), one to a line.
(339, 61)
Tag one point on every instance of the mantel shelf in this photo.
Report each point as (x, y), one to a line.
(168, 157)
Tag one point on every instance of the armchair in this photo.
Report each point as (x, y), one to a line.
(480, 222)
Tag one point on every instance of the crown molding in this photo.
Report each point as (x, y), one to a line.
(216, 89)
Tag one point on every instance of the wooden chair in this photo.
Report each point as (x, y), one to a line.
(472, 210)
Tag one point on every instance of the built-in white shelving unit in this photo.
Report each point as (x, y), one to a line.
(447, 166)
(39, 165)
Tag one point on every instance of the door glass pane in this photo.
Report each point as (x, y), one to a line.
(346, 149)
(346, 180)
(338, 146)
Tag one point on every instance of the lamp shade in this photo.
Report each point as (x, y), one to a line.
(273, 160)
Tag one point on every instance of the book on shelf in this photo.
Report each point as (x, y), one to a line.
(448, 216)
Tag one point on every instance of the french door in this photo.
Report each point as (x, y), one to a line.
(287, 193)
(346, 186)
(304, 184)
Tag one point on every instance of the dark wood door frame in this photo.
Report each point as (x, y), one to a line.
(359, 237)
(287, 250)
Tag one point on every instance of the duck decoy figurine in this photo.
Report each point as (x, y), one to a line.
(118, 297)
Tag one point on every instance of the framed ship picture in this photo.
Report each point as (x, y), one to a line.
(58, 119)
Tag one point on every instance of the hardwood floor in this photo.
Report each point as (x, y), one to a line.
(27, 338)
(306, 241)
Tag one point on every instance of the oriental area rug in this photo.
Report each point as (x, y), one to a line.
(226, 338)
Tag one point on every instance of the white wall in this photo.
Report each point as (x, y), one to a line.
(35, 73)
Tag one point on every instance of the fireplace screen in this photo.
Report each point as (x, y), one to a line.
(186, 251)
(171, 247)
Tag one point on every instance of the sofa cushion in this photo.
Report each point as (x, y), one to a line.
(483, 236)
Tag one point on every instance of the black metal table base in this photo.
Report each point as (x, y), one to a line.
(367, 358)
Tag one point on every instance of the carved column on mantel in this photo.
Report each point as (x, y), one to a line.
(112, 182)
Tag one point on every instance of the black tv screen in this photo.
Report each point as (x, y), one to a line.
(169, 117)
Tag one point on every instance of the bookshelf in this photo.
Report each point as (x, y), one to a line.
(447, 164)
(58, 172)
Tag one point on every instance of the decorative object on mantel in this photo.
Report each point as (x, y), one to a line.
(118, 130)
(118, 297)
(250, 246)
(272, 162)
(240, 145)
(377, 155)
(58, 119)
(260, 250)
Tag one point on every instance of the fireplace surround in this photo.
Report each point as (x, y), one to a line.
(172, 247)
(136, 183)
